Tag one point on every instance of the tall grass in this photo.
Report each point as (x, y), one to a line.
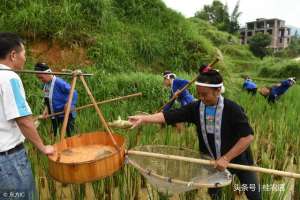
(281, 69)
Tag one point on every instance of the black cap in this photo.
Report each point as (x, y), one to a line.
(169, 75)
(211, 77)
(41, 67)
(167, 72)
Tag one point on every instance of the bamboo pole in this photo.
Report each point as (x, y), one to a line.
(212, 162)
(175, 96)
(41, 72)
(91, 105)
(67, 113)
(102, 119)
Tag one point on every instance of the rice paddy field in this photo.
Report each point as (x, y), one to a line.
(276, 143)
(127, 45)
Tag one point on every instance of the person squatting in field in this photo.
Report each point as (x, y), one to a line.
(176, 84)
(250, 86)
(272, 94)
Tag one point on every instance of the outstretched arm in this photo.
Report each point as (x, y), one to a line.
(183, 114)
(143, 119)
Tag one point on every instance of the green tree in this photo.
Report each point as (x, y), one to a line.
(217, 14)
(234, 25)
(258, 44)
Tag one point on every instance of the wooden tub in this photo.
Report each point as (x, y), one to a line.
(86, 157)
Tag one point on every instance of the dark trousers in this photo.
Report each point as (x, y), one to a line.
(252, 91)
(249, 179)
(57, 124)
(271, 99)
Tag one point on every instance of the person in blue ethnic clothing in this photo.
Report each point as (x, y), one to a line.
(56, 94)
(250, 86)
(273, 93)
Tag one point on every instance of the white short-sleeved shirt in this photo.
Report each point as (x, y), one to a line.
(13, 104)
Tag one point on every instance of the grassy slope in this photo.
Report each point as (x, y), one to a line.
(122, 35)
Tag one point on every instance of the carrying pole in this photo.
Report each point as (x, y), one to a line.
(212, 163)
(41, 72)
(91, 105)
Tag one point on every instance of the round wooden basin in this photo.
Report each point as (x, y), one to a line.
(86, 157)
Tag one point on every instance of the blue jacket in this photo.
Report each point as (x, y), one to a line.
(280, 90)
(58, 96)
(249, 84)
(184, 98)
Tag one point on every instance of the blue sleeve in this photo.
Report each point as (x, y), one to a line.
(285, 83)
(183, 83)
(66, 89)
(75, 98)
(179, 84)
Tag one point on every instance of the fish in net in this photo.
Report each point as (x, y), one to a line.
(176, 176)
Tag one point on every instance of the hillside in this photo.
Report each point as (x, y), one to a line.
(116, 36)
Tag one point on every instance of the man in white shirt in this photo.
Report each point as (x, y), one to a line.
(16, 122)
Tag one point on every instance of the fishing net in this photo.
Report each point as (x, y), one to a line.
(175, 176)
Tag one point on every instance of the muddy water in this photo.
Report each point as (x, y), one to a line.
(84, 153)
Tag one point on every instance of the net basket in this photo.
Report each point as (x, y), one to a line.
(176, 176)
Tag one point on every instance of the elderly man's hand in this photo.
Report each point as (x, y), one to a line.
(222, 163)
(44, 116)
(48, 150)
